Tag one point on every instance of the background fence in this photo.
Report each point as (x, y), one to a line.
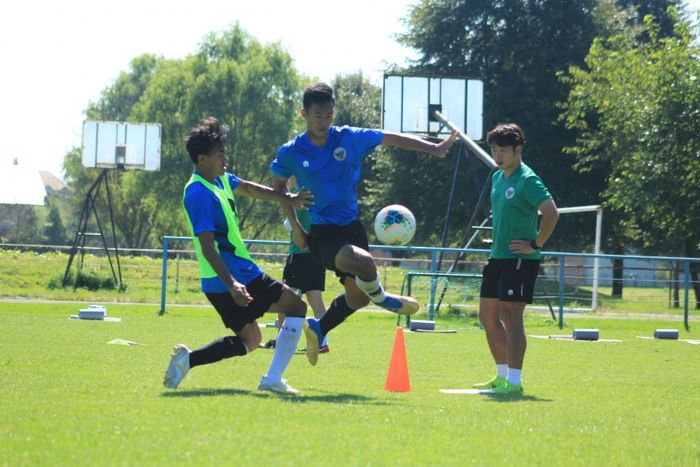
(652, 284)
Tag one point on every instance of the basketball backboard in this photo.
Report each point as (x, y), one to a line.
(408, 103)
(121, 145)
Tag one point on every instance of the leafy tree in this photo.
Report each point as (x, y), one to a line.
(517, 48)
(54, 232)
(252, 88)
(636, 107)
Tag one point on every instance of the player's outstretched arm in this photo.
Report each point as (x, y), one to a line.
(301, 200)
(415, 143)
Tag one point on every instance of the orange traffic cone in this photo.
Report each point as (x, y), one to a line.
(397, 379)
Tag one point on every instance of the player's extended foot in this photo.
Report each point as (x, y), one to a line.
(400, 305)
(280, 387)
(496, 381)
(312, 330)
(178, 367)
(508, 389)
(324, 349)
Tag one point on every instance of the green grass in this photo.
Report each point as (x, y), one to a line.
(38, 276)
(69, 398)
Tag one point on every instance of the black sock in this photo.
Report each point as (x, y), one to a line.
(226, 347)
(336, 314)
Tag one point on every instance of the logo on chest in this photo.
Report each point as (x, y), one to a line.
(510, 192)
(340, 154)
(305, 164)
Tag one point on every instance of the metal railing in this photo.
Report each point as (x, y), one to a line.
(433, 252)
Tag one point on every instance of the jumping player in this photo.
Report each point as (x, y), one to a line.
(327, 161)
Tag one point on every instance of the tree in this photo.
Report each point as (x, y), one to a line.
(252, 88)
(636, 107)
(517, 48)
(54, 232)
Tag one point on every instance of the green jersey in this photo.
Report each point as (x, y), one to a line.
(305, 221)
(514, 204)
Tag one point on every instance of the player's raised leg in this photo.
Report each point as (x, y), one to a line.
(360, 263)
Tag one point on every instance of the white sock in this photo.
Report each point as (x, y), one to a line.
(373, 289)
(325, 341)
(502, 370)
(514, 375)
(285, 346)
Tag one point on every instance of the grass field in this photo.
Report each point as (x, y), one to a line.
(38, 276)
(70, 398)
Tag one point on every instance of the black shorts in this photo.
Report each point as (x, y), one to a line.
(510, 280)
(302, 272)
(325, 240)
(265, 291)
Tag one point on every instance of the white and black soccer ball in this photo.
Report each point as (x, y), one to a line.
(395, 225)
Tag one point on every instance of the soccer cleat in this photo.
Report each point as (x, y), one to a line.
(269, 344)
(496, 381)
(178, 367)
(508, 389)
(279, 387)
(312, 330)
(400, 305)
(324, 349)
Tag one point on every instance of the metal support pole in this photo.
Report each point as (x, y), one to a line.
(686, 286)
(433, 284)
(596, 260)
(164, 276)
(561, 292)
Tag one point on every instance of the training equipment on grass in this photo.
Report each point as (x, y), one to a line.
(94, 313)
(586, 335)
(395, 225)
(416, 324)
(672, 334)
(397, 379)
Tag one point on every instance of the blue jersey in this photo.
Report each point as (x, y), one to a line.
(330, 173)
(206, 215)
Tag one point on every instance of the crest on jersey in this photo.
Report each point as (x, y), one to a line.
(510, 192)
(340, 154)
(305, 164)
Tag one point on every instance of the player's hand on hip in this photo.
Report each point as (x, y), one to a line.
(240, 294)
(301, 200)
(521, 247)
(443, 147)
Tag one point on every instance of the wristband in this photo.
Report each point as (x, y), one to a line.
(534, 245)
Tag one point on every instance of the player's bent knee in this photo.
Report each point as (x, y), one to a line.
(297, 309)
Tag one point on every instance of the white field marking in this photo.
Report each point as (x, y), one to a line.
(466, 391)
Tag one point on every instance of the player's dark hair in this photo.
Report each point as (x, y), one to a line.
(209, 134)
(318, 93)
(506, 134)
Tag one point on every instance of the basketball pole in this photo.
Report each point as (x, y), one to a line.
(89, 205)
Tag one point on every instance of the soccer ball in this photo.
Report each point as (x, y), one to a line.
(395, 225)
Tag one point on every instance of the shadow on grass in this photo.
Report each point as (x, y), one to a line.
(515, 398)
(331, 398)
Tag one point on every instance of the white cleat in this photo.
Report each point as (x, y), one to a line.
(178, 367)
(399, 304)
(279, 387)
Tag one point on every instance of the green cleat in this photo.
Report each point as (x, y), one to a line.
(508, 389)
(496, 381)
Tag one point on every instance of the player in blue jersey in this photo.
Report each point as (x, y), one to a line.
(327, 161)
(237, 288)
